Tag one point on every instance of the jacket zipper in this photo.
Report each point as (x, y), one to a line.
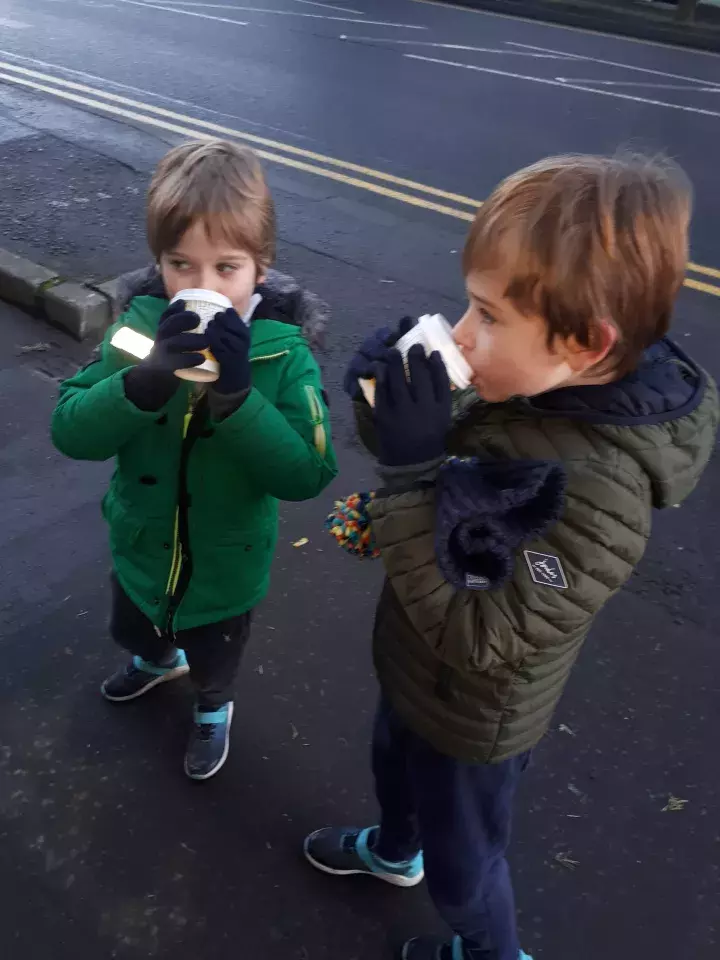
(181, 566)
(270, 356)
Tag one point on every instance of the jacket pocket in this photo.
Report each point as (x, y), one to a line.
(230, 568)
(125, 529)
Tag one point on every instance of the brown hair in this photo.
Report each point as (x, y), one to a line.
(220, 183)
(586, 238)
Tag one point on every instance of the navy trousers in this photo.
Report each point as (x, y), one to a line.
(213, 651)
(459, 815)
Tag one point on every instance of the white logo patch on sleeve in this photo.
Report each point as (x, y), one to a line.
(546, 570)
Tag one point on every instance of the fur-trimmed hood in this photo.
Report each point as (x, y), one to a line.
(283, 299)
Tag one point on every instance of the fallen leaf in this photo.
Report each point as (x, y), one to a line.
(301, 542)
(295, 733)
(40, 347)
(564, 860)
(564, 728)
(575, 791)
(674, 805)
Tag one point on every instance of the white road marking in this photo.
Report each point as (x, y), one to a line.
(141, 90)
(274, 13)
(189, 13)
(231, 6)
(330, 6)
(584, 31)
(461, 46)
(565, 86)
(615, 63)
(13, 24)
(635, 83)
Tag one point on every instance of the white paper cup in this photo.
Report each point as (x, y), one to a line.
(433, 333)
(205, 303)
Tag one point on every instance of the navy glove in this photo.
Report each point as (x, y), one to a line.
(152, 383)
(412, 414)
(376, 347)
(229, 343)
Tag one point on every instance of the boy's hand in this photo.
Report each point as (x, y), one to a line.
(375, 348)
(229, 342)
(412, 414)
(151, 383)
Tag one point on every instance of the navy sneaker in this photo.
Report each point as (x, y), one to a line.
(436, 948)
(347, 852)
(139, 676)
(209, 743)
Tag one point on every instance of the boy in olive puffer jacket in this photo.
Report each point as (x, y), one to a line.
(193, 502)
(511, 514)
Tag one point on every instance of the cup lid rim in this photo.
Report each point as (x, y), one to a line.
(209, 296)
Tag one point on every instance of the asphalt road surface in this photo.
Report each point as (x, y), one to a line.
(382, 123)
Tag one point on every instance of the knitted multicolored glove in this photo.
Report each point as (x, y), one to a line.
(351, 525)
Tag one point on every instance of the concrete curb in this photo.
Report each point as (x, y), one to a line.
(702, 35)
(83, 310)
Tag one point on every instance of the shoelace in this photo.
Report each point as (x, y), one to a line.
(206, 731)
(349, 842)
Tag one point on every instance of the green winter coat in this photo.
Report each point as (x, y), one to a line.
(193, 503)
(478, 673)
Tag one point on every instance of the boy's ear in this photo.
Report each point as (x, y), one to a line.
(582, 358)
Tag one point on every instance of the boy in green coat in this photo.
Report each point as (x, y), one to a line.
(193, 503)
(510, 515)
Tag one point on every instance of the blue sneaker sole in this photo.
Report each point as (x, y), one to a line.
(226, 750)
(173, 674)
(395, 879)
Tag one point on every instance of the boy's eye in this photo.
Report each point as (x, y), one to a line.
(485, 316)
(178, 264)
(226, 268)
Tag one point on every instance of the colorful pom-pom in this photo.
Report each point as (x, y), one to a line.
(351, 526)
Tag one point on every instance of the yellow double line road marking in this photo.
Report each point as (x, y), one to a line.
(160, 117)
(297, 158)
(702, 285)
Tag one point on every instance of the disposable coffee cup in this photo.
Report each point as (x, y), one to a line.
(204, 303)
(434, 334)
(139, 346)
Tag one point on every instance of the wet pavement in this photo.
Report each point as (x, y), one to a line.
(106, 850)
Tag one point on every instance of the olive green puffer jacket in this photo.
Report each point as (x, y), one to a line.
(478, 673)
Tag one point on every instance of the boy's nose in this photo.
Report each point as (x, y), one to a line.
(461, 332)
(206, 279)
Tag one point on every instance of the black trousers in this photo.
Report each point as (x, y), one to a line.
(213, 651)
(459, 815)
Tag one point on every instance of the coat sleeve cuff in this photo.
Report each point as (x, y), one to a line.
(405, 477)
(110, 399)
(244, 415)
(224, 405)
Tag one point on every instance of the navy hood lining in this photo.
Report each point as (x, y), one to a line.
(624, 387)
